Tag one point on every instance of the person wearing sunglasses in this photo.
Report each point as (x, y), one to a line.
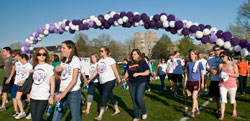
(43, 86)
(227, 83)
(212, 68)
(107, 71)
(69, 91)
(243, 74)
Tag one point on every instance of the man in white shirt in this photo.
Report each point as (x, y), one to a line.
(204, 64)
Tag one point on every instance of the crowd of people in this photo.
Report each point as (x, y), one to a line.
(43, 83)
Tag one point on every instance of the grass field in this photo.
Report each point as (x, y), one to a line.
(162, 106)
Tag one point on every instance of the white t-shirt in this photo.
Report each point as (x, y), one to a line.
(18, 65)
(170, 66)
(105, 70)
(41, 85)
(91, 71)
(67, 74)
(204, 64)
(213, 63)
(162, 69)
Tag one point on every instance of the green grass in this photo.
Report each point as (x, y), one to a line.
(161, 106)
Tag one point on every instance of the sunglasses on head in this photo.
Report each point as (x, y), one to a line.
(41, 54)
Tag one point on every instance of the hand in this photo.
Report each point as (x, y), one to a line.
(58, 97)
(19, 83)
(120, 84)
(51, 100)
(58, 68)
(248, 75)
(135, 74)
(202, 85)
(7, 81)
(214, 72)
(31, 71)
(0, 90)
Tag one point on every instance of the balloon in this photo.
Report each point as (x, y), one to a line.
(116, 17)
(26, 49)
(172, 24)
(192, 36)
(219, 33)
(220, 42)
(227, 36)
(106, 25)
(193, 28)
(63, 26)
(74, 22)
(179, 32)
(205, 39)
(125, 19)
(243, 43)
(235, 41)
(159, 24)
(189, 24)
(152, 24)
(201, 27)
(178, 24)
(171, 17)
(213, 30)
(122, 14)
(120, 21)
(156, 17)
(206, 31)
(185, 31)
(165, 24)
(130, 14)
(71, 31)
(111, 21)
(213, 38)
(106, 17)
(199, 34)
(227, 45)
(91, 24)
(137, 18)
(163, 18)
(37, 35)
(244, 52)
(173, 31)
(237, 48)
(26, 44)
(146, 26)
(208, 27)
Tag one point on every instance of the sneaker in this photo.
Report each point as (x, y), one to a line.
(192, 114)
(175, 94)
(20, 115)
(144, 116)
(29, 116)
(7, 101)
(3, 109)
(135, 119)
(14, 114)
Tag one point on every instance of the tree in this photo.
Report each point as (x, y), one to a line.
(237, 31)
(16, 45)
(163, 47)
(81, 47)
(105, 39)
(1, 59)
(85, 37)
(243, 18)
(115, 49)
(185, 45)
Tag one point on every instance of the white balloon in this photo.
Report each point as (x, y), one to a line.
(163, 18)
(60, 23)
(47, 26)
(196, 24)
(31, 48)
(191, 36)
(106, 17)
(227, 45)
(27, 40)
(136, 24)
(237, 48)
(46, 32)
(84, 21)
(96, 19)
(220, 42)
(70, 24)
(136, 13)
(98, 23)
(57, 26)
(112, 13)
(33, 34)
(189, 24)
(87, 20)
(64, 21)
(92, 18)
(213, 30)
(151, 18)
(141, 22)
(116, 23)
(31, 38)
(206, 31)
(67, 28)
(120, 21)
(165, 24)
(22, 48)
(125, 19)
(41, 36)
(172, 24)
(179, 32)
(199, 34)
(31, 42)
(244, 52)
(77, 28)
(231, 49)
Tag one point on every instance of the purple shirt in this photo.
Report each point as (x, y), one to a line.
(194, 76)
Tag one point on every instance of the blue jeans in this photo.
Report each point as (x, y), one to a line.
(137, 93)
(162, 78)
(91, 91)
(74, 101)
(148, 82)
(106, 91)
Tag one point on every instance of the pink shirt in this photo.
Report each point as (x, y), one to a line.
(231, 82)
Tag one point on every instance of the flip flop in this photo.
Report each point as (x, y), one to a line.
(97, 119)
(85, 112)
(116, 113)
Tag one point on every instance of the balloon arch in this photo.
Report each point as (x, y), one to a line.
(204, 33)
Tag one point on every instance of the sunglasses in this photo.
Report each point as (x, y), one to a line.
(101, 51)
(222, 56)
(216, 49)
(41, 54)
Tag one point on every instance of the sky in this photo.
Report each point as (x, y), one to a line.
(20, 18)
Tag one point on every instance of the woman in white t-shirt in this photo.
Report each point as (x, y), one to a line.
(43, 86)
(106, 68)
(162, 67)
(69, 92)
(93, 84)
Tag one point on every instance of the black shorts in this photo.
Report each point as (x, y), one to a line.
(7, 87)
(170, 76)
(214, 89)
(177, 77)
(193, 86)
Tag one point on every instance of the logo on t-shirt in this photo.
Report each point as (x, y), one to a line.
(66, 72)
(39, 76)
(23, 73)
(101, 67)
(133, 67)
(18, 69)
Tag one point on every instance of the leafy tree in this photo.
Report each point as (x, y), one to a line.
(16, 45)
(81, 47)
(163, 47)
(115, 49)
(236, 30)
(185, 45)
(105, 39)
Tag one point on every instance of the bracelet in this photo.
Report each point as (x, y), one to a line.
(52, 96)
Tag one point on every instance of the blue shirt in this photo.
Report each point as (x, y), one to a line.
(194, 76)
(178, 67)
(214, 63)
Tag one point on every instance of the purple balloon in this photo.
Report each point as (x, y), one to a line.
(51, 29)
(146, 26)
(71, 31)
(122, 14)
(227, 36)
(156, 17)
(213, 38)
(63, 26)
(248, 47)
(91, 24)
(26, 49)
(208, 27)
(243, 43)
(26, 44)
(95, 26)
(128, 24)
(173, 31)
(144, 15)
(159, 24)
(74, 22)
(194, 28)
(163, 14)
(171, 17)
(67, 23)
(185, 31)
(116, 17)
(178, 24)
(137, 18)
(56, 31)
(36, 35)
(100, 17)
(219, 33)
(106, 25)
(177, 19)
(130, 14)
(43, 27)
(51, 24)
(111, 21)
(131, 20)
(201, 27)
(60, 31)
(167, 29)
(205, 39)
(235, 41)
(152, 24)
(146, 19)
(39, 31)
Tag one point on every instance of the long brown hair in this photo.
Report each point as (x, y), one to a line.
(35, 60)
(140, 56)
(107, 50)
(71, 45)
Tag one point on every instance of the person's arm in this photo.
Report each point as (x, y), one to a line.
(150, 67)
(113, 66)
(202, 79)
(93, 75)
(236, 72)
(145, 73)
(125, 76)
(13, 69)
(52, 89)
(71, 84)
(248, 74)
(84, 76)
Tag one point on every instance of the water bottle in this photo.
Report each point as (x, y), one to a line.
(124, 87)
(49, 110)
(85, 87)
(59, 106)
